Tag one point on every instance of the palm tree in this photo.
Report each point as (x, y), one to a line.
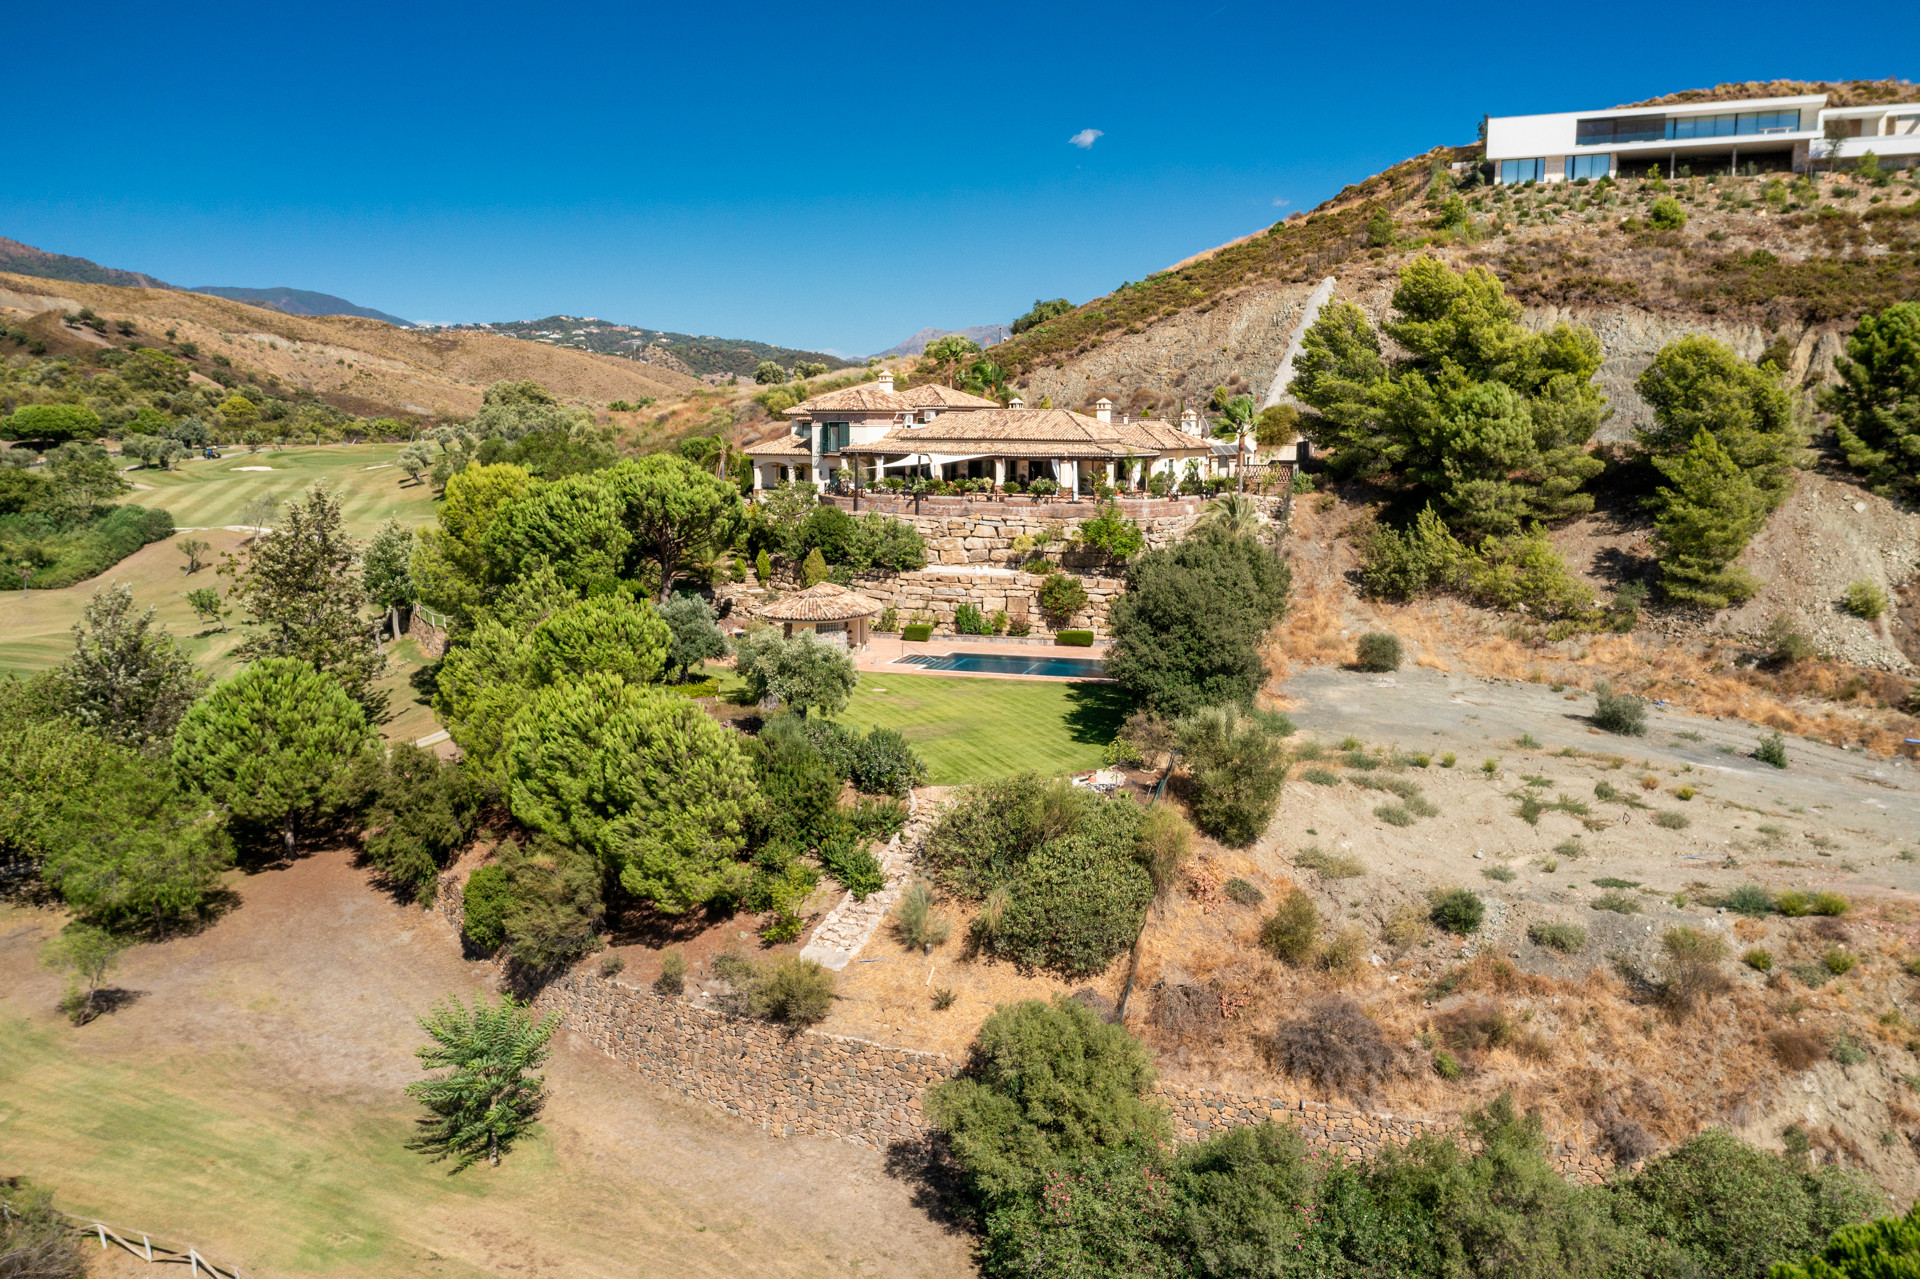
(1235, 512)
(1236, 419)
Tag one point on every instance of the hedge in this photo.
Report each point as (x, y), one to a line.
(916, 634)
(1074, 639)
(74, 555)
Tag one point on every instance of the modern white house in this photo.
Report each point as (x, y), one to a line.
(1753, 135)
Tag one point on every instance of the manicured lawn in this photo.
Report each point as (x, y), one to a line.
(204, 494)
(971, 730)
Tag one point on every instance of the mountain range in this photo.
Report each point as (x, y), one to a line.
(983, 334)
(298, 302)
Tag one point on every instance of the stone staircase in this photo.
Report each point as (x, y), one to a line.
(849, 926)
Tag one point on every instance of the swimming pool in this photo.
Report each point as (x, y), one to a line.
(1004, 664)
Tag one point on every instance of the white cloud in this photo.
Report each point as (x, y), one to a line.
(1281, 204)
(1085, 138)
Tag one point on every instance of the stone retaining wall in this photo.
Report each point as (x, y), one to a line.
(936, 593)
(962, 530)
(815, 1084)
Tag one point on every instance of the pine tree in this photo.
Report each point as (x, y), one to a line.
(1698, 384)
(1705, 515)
(271, 743)
(1876, 407)
(126, 679)
(813, 570)
(301, 588)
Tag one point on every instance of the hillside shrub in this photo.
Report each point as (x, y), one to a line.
(485, 902)
(851, 861)
(1292, 933)
(1377, 651)
(1620, 713)
(1692, 968)
(1187, 632)
(62, 553)
(1459, 911)
(1070, 867)
(1667, 214)
(1865, 600)
(969, 620)
(1749, 899)
(1237, 766)
(1772, 749)
(885, 763)
(1876, 405)
(1335, 1044)
(1568, 939)
(793, 991)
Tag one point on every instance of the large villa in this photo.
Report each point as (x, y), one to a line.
(863, 434)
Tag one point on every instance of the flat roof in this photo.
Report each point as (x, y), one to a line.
(1680, 108)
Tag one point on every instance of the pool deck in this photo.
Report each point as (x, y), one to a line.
(884, 650)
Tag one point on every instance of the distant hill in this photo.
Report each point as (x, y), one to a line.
(24, 259)
(983, 334)
(700, 356)
(298, 302)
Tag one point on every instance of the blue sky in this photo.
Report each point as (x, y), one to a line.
(822, 178)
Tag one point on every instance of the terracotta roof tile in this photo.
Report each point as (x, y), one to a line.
(935, 396)
(1043, 432)
(868, 399)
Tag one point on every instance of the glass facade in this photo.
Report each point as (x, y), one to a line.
(1588, 166)
(1660, 128)
(1522, 170)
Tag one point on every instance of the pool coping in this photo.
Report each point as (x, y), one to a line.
(893, 666)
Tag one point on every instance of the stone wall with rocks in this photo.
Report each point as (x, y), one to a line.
(937, 592)
(431, 639)
(981, 531)
(810, 1083)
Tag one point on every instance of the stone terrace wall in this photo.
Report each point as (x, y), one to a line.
(936, 593)
(960, 530)
(816, 1084)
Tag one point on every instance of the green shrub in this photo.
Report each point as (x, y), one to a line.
(1393, 814)
(850, 860)
(1618, 902)
(1847, 1051)
(1620, 713)
(62, 555)
(1061, 595)
(485, 902)
(1667, 819)
(918, 634)
(673, 973)
(1292, 932)
(1448, 759)
(1237, 766)
(1074, 639)
(797, 992)
(1459, 911)
(1749, 899)
(1321, 777)
(1446, 1065)
(1829, 904)
(1793, 904)
(1241, 891)
(1500, 874)
(885, 763)
(1758, 959)
(1866, 600)
(1567, 938)
(1838, 961)
(1377, 651)
(1772, 750)
(1667, 214)
(1163, 844)
(1076, 905)
(1051, 1083)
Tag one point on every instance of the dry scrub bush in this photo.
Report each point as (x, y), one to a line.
(1336, 1045)
(1692, 968)
(916, 924)
(1332, 865)
(1164, 843)
(1184, 1013)
(1797, 1049)
(1292, 933)
(1405, 926)
(1346, 953)
(1475, 1028)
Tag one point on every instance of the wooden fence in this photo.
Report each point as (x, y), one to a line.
(148, 1249)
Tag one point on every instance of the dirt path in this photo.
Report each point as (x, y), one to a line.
(247, 1100)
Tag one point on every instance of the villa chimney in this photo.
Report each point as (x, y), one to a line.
(886, 379)
(1190, 421)
(1103, 409)
(1016, 403)
(1125, 418)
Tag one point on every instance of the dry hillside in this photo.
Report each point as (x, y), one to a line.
(363, 366)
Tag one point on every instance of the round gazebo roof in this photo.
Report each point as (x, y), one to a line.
(823, 602)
